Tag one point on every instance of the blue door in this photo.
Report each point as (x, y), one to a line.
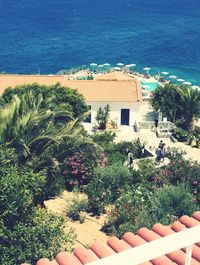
(125, 113)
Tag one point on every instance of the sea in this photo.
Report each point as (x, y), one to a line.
(49, 35)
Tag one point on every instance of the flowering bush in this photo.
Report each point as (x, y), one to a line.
(181, 171)
(128, 212)
(78, 167)
(139, 208)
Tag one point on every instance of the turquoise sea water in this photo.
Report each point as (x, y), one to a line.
(56, 34)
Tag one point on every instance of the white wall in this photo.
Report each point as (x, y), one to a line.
(115, 113)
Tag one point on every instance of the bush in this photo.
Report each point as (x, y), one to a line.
(174, 153)
(171, 202)
(104, 139)
(180, 134)
(140, 208)
(78, 204)
(182, 171)
(43, 235)
(117, 153)
(27, 233)
(107, 185)
(128, 212)
(78, 167)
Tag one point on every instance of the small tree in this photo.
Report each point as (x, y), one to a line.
(102, 116)
(27, 232)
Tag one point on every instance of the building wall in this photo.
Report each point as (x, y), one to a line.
(115, 113)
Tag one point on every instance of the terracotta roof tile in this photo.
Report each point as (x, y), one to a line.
(117, 244)
(92, 90)
(196, 215)
(102, 250)
(129, 240)
(44, 261)
(188, 221)
(85, 255)
(135, 240)
(65, 258)
(166, 230)
(54, 262)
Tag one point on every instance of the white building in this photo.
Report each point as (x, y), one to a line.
(121, 92)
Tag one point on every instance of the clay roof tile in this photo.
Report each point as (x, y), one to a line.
(82, 255)
(85, 255)
(189, 221)
(65, 258)
(44, 261)
(165, 231)
(196, 215)
(102, 250)
(117, 244)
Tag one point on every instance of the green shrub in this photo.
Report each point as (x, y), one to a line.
(43, 235)
(26, 232)
(146, 169)
(105, 138)
(117, 152)
(174, 153)
(171, 202)
(140, 208)
(181, 171)
(78, 204)
(107, 185)
(128, 212)
(180, 134)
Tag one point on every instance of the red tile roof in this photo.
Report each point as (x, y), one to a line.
(92, 90)
(129, 240)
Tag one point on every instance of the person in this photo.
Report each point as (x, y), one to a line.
(129, 158)
(160, 152)
(156, 122)
(161, 144)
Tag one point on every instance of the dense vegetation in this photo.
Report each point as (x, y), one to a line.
(136, 198)
(44, 150)
(180, 105)
(27, 232)
(39, 128)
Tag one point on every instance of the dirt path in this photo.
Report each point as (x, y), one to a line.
(88, 232)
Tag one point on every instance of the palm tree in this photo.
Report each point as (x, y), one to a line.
(33, 130)
(190, 100)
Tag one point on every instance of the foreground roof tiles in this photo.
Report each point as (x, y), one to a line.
(92, 90)
(129, 240)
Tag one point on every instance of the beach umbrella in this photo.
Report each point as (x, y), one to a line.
(145, 86)
(187, 83)
(106, 64)
(127, 65)
(164, 73)
(93, 64)
(117, 68)
(147, 69)
(172, 76)
(180, 80)
(195, 87)
(132, 64)
(120, 64)
(100, 65)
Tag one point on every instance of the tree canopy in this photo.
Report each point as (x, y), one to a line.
(178, 104)
(61, 98)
